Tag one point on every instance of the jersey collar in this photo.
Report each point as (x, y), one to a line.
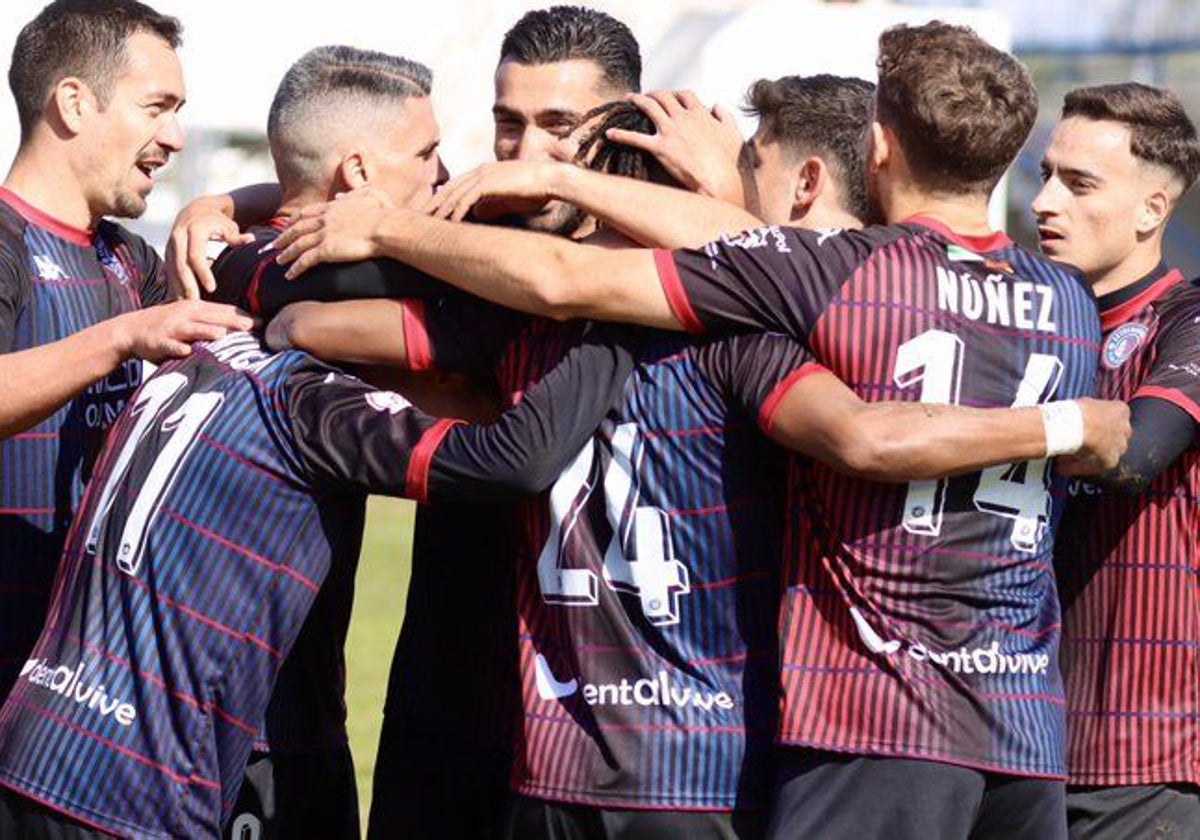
(976, 244)
(1119, 306)
(74, 235)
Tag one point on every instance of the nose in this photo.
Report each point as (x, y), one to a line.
(443, 174)
(534, 145)
(170, 136)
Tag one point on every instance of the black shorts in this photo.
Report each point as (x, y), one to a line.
(304, 795)
(430, 785)
(539, 819)
(24, 819)
(832, 795)
(1163, 812)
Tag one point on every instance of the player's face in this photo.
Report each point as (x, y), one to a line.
(135, 135)
(537, 109)
(1093, 192)
(773, 179)
(405, 161)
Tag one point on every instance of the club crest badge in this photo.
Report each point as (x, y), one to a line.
(1122, 343)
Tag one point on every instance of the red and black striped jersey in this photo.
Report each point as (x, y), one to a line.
(919, 620)
(54, 281)
(1129, 566)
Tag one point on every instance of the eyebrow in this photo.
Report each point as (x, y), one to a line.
(1076, 172)
(165, 96)
(428, 150)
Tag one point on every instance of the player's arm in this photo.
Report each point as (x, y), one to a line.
(37, 382)
(213, 218)
(821, 417)
(1162, 431)
(649, 214)
(530, 272)
(364, 332)
(348, 432)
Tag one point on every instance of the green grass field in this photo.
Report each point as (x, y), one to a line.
(382, 584)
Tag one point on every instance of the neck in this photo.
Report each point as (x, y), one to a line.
(51, 187)
(296, 198)
(963, 214)
(1133, 268)
(820, 217)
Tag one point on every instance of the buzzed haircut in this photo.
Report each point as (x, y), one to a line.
(348, 80)
(1160, 130)
(960, 108)
(565, 33)
(80, 38)
(822, 115)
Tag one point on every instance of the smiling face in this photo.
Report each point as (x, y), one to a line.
(136, 132)
(1092, 208)
(537, 109)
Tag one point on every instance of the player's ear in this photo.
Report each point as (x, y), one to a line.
(879, 148)
(73, 100)
(353, 171)
(811, 180)
(1154, 212)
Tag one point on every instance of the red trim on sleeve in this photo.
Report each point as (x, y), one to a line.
(1119, 314)
(770, 406)
(416, 335)
(252, 289)
(416, 480)
(27, 211)
(978, 244)
(1174, 397)
(677, 299)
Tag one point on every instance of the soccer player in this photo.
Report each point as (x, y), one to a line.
(1116, 168)
(920, 622)
(97, 87)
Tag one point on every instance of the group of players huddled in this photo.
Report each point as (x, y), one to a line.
(741, 463)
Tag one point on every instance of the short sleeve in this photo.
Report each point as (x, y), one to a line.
(1175, 374)
(771, 279)
(756, 370)
(14, 289)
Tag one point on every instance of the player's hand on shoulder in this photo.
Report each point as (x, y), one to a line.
(1106, 435)
(503, 188)
(698, 145)
(335, 231)
(163, 332)
(201, 227)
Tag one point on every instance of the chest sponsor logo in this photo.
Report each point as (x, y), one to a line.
(979, 660)
(48, 269)
(645, 692)
(73, 684)
(1122, 343)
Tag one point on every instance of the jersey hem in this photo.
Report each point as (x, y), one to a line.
(1132, 779)
(574, 798)
(64, 808)
(889, 751)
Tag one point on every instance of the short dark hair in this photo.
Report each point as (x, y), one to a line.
(330, 77)
(1160, 130)
(82, 38)
(602, 154)
(563, 33)
(960, 108)
(823, 115)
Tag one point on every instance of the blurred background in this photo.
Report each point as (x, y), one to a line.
(235, 53)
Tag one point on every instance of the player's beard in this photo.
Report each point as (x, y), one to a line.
(560, 219)
(128, 205)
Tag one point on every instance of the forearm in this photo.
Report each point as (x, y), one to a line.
(365, 332)
(897, 442)
(650, 214)
(534, 273)
(1162, 432)
(37, 382)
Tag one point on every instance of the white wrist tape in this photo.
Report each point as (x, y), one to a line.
(1063, 424)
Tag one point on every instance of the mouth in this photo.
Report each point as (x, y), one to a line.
(150, 166)
(1049, 236)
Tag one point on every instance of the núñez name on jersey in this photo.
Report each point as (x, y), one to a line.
(1019, 304)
